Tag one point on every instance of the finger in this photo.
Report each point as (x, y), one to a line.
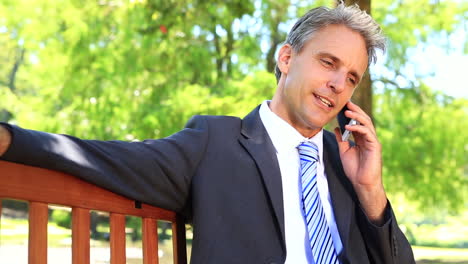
(354, 107)
(365, 132)
(342, 145)
(363, 119)
(337, 134)
(360, 115)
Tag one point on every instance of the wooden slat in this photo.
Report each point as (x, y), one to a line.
(37, 251)
(150, 241)
(41, 185)
(178, 241)
(117, 239)
(80, 235)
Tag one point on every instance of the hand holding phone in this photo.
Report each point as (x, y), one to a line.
(342, 121)
(362, 161)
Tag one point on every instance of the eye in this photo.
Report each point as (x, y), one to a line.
(352, 80)
(326, 62)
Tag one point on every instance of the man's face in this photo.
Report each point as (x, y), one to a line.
(317, 82)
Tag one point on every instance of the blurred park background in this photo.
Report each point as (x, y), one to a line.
(137, 69)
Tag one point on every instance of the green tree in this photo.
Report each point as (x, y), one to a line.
(425, 147)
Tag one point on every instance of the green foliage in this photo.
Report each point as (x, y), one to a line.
(134, 223)
(15, 232)
(126, 70)
(424, 146)
(61, 218)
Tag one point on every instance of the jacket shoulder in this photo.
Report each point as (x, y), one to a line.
(214, 122)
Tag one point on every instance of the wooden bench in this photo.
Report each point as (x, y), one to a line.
(41, 187)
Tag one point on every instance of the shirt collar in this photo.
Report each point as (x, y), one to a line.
(282, 134)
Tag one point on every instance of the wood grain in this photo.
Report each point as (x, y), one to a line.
(37, 243)
(80, 235)
(117, 239)
(36, 184)
(150, 241)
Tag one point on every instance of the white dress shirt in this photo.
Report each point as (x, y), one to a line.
(285, 140)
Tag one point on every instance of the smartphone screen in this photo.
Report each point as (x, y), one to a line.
(342, 119)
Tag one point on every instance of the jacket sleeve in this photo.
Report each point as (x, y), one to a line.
(156, 172)
(385, 244)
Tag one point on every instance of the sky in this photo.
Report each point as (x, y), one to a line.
(443, 67)
(450, 71)
(441, 63)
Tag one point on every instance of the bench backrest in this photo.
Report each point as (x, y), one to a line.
(41, 187)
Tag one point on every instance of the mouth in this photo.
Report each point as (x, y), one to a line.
(325, 101)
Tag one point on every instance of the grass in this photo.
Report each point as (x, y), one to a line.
(433, 255)
(15, 232)
(452, 233)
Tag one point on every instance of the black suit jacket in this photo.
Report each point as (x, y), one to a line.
(222, 174)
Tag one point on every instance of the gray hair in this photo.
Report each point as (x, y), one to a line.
(349, 16)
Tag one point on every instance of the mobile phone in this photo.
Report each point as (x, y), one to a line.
(342, 121)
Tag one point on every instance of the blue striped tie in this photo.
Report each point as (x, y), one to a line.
(320, 238)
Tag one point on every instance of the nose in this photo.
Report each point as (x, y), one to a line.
(337, 82)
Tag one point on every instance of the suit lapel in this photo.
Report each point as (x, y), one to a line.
(258, 144)
(340, 189)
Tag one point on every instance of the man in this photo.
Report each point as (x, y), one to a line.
(245, 184)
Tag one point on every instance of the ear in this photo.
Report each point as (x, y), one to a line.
(284, 58)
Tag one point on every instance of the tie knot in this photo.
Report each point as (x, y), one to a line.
(308, 151)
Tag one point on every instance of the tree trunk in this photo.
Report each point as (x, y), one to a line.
(229, 48)
(219, 59)
(275, 40)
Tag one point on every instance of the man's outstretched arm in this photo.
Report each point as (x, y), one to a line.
(5, 139)
(157, 172)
